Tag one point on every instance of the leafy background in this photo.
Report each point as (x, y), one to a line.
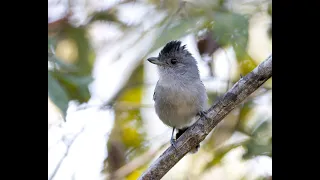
(101, 122)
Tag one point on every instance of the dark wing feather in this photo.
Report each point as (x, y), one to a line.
(154, 93)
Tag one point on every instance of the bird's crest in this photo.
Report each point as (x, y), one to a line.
(172, 47)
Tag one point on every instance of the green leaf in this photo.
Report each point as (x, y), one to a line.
(76, 86)
(64, 67)
(261, 141)
(177, 30)
(219, 154)
(231, 29)
(51, 44)
(244, 116)
(246, 64)
(223, 131)
(52, 41)
(262, 128)
(270, 9)
(79, 35)
(74, 78)
(254, 150)
(57, 94)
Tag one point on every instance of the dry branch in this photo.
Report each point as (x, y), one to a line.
(65, 155)
(198, 132)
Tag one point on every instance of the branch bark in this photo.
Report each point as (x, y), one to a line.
(198, 132)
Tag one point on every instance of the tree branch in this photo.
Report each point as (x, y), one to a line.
(198, 132)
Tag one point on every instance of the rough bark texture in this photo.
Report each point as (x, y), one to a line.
(198, 132)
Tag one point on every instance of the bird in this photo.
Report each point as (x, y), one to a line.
(180, 96)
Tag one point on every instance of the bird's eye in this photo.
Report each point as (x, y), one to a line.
(174, 61)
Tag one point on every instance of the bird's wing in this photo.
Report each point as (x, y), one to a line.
(154, 93)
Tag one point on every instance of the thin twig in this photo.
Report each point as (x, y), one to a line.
(65, 155)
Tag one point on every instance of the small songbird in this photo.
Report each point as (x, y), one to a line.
(180, 96)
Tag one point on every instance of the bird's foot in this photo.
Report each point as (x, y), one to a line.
(203, 114)
(180, 132)
(172, 141)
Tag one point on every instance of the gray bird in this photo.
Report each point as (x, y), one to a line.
(180, 96)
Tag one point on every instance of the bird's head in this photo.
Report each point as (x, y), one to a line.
(175, 59)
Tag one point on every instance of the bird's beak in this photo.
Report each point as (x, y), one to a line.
(155, 60)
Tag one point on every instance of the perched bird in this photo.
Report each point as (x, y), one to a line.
(180, 96)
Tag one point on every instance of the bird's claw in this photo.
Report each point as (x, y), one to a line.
(203, 114)
(172, 141)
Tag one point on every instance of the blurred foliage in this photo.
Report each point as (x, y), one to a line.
(260, 142)
(219, 154)
(215, 25)
(224, 130)
(136, 174)
(176, 31)
(128, 133)
(231, 29)
(244, 116)
(227, 29)
(57, 93)
(270, 14)
(70, 59)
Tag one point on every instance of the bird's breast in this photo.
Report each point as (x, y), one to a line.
(176, 105)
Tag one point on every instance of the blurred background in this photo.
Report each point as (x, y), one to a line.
(101, 120)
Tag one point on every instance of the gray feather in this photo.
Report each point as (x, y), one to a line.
(179, 94)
